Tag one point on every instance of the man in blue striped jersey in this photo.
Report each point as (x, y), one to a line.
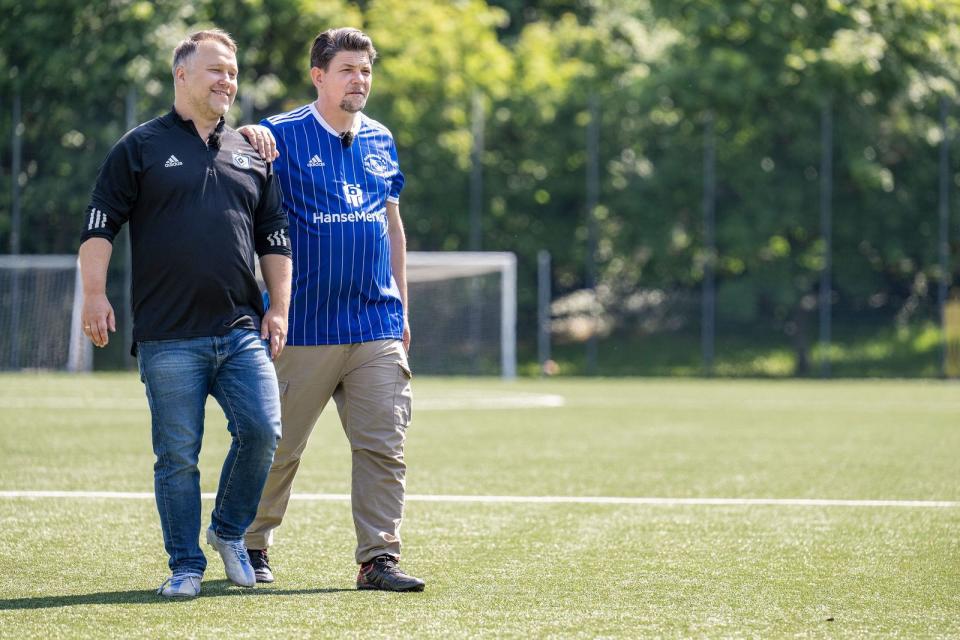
(348, 332)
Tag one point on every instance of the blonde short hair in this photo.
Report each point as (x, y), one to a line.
(188, 46)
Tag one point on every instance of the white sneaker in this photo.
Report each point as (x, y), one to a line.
(235, 560)
(181, 585)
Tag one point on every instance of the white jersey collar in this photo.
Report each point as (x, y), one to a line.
(355, 129)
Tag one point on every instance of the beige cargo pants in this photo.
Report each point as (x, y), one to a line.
(370, 384)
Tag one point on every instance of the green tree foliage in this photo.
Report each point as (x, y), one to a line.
(72, 64)
(424, 87)
(763, 70)
(274, 39)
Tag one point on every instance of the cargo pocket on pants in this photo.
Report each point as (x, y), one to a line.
(403, 396)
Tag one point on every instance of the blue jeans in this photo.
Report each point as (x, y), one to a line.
(178, 376)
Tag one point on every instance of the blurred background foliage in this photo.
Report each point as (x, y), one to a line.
(763, 71)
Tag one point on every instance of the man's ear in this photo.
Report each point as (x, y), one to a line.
(316, 74)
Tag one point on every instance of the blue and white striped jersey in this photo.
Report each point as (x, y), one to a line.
(335, 197)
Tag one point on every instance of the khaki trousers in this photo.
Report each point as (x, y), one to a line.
(370, 384)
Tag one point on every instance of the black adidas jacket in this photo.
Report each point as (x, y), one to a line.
(198, 213)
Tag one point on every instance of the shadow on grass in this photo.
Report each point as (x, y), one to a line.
(211, 589)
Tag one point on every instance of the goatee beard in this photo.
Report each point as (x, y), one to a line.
(350, 106)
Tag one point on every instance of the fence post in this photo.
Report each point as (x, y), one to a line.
(476, 172)
(593, 196)
(826, 232)
(15, 223)
(944, 215)
(709, 301)
(543, 309)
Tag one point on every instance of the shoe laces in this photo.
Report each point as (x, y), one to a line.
(240, 551)
(176, 579)
(388, 562)
(165, 583)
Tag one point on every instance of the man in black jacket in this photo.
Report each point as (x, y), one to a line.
(200, 204)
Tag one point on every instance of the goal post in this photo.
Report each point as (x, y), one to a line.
(463, 312)
(40, 314)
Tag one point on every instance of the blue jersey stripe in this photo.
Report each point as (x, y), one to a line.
(325, 248)
(363, 261)
(377, 267)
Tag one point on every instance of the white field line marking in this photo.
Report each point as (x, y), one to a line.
(343, 497)
(476, 402)
(512, 401)
(480, 401)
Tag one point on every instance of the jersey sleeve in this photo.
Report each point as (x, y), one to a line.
(115, 192)
(397, 180)
(270, 220)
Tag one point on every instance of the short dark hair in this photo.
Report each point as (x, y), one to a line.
(188, 46)
(333, 41)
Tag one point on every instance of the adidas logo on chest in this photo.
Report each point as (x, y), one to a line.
(172, 162)
(316, 161)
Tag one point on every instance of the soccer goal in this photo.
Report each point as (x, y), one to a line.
(40, 314)
(463, 312)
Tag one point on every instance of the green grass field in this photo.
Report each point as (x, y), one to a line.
(88, 567)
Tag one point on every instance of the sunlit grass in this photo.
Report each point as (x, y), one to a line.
(855, 351)
(88, 567)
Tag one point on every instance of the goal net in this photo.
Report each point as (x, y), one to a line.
(40, 314)
(463, 312)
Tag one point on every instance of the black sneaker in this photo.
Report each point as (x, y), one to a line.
(260, 564)
(383, 573)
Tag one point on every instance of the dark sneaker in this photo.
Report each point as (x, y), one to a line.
(261, 564)
(383, 573)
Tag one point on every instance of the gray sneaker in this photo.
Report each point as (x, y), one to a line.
(181, 585)
(235, 560)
